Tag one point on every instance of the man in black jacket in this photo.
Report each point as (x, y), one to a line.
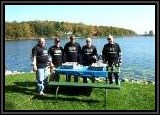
(72, 53)
(111, 55)
(56, 52)
(89, 56)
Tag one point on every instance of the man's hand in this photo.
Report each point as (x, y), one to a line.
(34, 68)
(94, 57)
(106, 62)
(119, 65)
(51, 65)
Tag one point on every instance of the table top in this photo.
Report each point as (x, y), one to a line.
(83, 71)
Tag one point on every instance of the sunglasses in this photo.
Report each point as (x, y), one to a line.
(88, 41)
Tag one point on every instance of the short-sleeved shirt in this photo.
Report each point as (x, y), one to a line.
(41, 54)
(57, 55)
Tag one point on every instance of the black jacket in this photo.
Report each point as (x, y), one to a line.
(111, 53)
(87, 55)
(72, 52)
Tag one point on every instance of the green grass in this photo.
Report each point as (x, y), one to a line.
(20, 94)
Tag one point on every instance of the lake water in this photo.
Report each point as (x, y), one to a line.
(138, 55)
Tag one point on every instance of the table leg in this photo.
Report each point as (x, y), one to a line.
(105, 98)
(57, 91)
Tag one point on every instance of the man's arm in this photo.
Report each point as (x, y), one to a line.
(79, 54)
(104, 58)
(65, 52)
(119, 56)
(63, 55)
(34, 64)
(95, 55)
(50, 58)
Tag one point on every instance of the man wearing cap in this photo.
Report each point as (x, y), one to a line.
(40, 61)
(56, 52)
(111, 55)
(72, 51)
(89, 56)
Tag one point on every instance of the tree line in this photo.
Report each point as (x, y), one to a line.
(31, 29)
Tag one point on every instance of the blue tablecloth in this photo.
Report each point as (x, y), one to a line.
(82, 71)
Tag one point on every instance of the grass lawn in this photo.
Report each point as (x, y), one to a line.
(20, 94)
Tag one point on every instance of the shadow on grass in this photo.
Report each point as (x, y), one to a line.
(22, 87)
(65, 98)
(68, 94)
(26, 84)
(29, 88)
(9, 106)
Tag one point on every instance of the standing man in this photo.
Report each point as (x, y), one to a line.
(89, 56)
(72, 51)
(40, 60)
(56, 52)
(111, 55)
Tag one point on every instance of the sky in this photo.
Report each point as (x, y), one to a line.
(139, 18)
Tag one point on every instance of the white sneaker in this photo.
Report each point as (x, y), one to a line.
(41, 93)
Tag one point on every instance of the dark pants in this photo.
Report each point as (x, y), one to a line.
(110, 75)
(68, 78)
(55, 77)
(85, 79)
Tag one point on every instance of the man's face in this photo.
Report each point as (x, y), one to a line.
(42, 42)
(88, 42)
(110, 40)
(57, 43)
(72, 39)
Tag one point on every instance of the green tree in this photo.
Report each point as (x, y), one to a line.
(20, 30)
(151, 32)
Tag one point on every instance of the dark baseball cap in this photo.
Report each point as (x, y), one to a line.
(57, 40)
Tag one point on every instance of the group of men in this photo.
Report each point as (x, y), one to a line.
(72, 52)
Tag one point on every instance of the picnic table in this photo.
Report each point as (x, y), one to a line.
(85, 71)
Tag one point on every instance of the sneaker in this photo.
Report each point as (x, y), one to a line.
(41, 93)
